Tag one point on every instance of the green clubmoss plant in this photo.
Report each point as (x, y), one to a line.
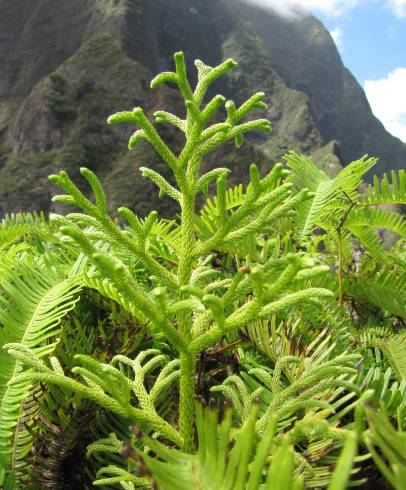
(192, 315)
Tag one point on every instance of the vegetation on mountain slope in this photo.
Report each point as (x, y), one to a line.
(62, 63)
(276, 304)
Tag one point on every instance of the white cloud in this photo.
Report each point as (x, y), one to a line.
(333, 8)
(399, 6)
(337, 35)
(295, 7)
(387, 98)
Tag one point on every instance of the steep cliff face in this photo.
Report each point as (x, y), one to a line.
(68, 65)
(304, 55)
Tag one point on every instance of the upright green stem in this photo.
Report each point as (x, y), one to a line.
(187, 360)
(186, 400)
(188, 239)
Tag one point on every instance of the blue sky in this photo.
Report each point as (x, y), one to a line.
(371, 38)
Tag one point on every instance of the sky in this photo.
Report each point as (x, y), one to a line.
(371, 38)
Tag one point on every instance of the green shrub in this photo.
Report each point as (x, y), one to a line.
(59, 102)
(233, 303)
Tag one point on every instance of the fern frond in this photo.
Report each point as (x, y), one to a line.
(107, 289)
(216, 466)
(316, 386)
(386, 291)
(395, 351)
(14, 227)
(377, 218)
(207, 222)
(389, 394)
(35, 298)
(387, 447)
(165, 240)
(325, 189)
(369, 238)
(306, 174)
(386, 191)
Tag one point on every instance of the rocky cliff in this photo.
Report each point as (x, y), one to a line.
(304, 55)
(67, 65)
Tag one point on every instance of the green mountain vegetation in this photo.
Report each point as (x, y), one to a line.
(67, 65)
(256, 341)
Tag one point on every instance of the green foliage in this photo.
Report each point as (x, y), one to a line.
(161, 309)
(59, 102)
(36, 295)
(222, 461)
(14, 228)
(278, 296)
(339, 208)
(385, 192)
(387, 447)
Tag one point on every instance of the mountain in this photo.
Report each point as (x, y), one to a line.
(66, 66)
(303, 53)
